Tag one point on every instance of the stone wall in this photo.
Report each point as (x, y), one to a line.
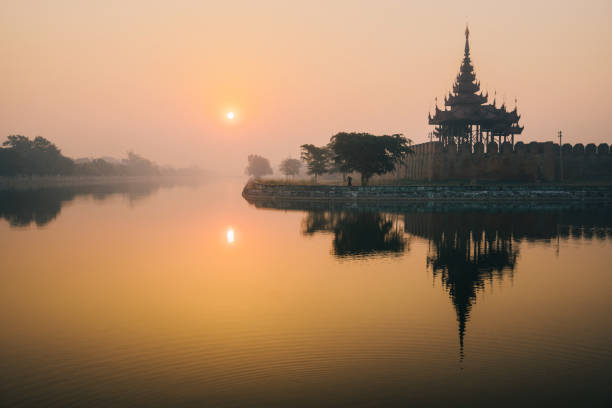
(256, 191)
(521, 162)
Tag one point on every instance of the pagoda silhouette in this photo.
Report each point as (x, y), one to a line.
(467, 118)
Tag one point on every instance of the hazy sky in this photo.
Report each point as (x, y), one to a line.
(103, 77)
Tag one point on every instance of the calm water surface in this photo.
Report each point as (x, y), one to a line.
(190, 296)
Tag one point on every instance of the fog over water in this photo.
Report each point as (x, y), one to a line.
(191, 296)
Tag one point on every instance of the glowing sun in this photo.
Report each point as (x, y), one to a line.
(230, 235)
(230, 115)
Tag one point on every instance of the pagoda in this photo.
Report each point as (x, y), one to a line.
(467, 118)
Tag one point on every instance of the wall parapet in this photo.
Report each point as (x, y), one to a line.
(535, 161)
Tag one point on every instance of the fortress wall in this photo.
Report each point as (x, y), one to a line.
(530, 162)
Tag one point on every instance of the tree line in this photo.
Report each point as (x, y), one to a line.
(345, 153)
(22, 156)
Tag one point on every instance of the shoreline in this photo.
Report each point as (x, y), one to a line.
(258, 191)
(38, 182)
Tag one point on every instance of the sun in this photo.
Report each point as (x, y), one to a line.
(230, 115)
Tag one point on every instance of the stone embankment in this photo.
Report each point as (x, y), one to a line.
(255, 191)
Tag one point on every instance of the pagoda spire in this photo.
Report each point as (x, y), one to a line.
(467, 41)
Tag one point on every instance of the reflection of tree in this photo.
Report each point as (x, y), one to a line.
(360, 233)
(357, 232)
(23, 207)
(317, 221)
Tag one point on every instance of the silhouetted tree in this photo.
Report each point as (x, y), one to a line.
(258, 166)
(369, 154)
(316, 158)
(336, 166)
(45, 146)
(18, 143)
(10, 163)
(290, 167)
(39, 156)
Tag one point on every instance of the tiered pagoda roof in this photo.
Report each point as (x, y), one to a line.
(466, 106)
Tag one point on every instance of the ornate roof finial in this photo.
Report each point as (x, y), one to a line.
(467, 41)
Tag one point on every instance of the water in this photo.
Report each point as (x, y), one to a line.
(159, 295)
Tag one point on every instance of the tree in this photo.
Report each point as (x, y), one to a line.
(39, 156)
(290, 167)
(369, 154)
(18, 143)
(316, 158)
(336, 166)
(45, 146)
(137, 165)
(258, 166)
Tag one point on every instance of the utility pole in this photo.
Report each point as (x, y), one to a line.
(560, 156)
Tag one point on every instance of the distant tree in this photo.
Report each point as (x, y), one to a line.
(139, 166)
(290, 167)
(104, 168)
(316, 159)
(18, 143)
(39, 156)
(369, 154)
(10, 163)
(45, 146)
(258, 166)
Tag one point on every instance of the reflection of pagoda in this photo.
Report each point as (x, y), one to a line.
(468, 119)
(464, 262)
(467, 251)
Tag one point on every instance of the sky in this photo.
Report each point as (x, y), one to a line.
(158, 77)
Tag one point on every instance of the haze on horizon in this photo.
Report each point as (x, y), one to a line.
(101, 78)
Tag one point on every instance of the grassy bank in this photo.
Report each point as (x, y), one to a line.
(410, 182)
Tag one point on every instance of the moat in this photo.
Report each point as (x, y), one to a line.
(160, 295)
